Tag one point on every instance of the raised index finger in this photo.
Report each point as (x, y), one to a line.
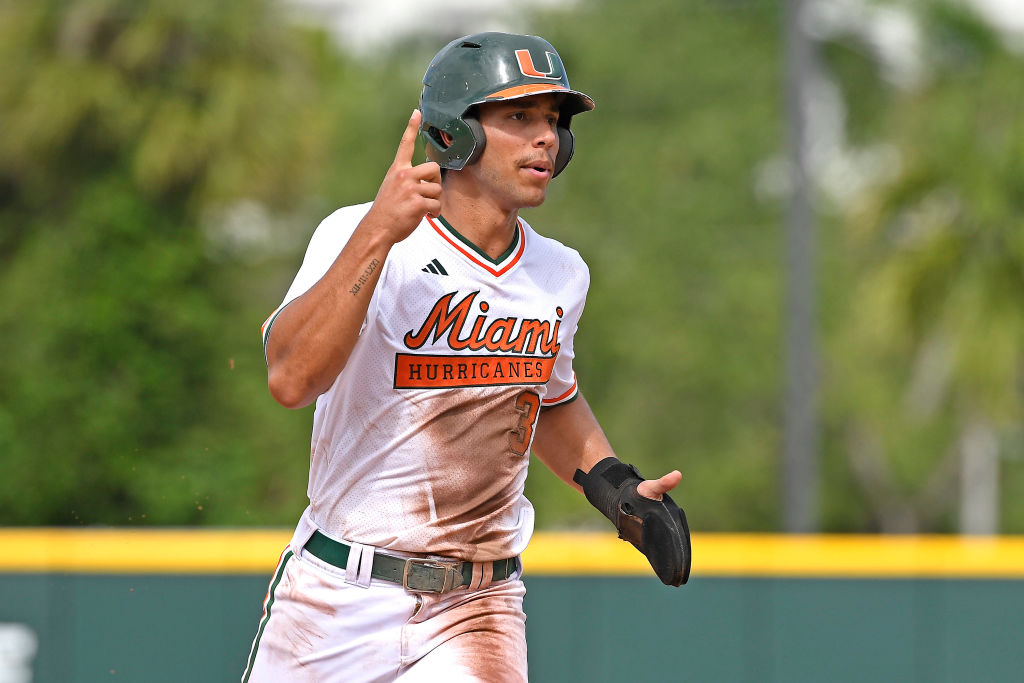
(407, 146)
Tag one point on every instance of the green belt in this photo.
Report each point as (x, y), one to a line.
(415, 574)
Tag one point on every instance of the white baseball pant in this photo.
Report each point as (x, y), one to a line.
(323, 623)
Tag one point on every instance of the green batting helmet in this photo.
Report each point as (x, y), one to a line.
(490, 67)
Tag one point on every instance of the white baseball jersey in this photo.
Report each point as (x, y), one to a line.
(422, 443)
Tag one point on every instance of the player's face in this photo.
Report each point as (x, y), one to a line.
(519, 160)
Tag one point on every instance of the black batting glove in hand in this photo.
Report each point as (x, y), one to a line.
(657, 528)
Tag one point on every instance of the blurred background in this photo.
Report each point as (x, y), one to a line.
(804, 236)
(803, 220)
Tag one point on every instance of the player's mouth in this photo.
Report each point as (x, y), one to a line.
(539, 168)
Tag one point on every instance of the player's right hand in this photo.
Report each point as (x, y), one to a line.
(407, 192)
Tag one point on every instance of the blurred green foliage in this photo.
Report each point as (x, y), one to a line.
(124, 123)
(162, 165)
(925, 320)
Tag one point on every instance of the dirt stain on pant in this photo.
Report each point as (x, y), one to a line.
(480, 635)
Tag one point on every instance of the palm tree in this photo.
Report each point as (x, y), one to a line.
(928, 351)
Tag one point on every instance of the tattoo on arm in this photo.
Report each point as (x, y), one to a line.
(364, 277)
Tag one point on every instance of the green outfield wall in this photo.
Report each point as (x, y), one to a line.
(911, 614)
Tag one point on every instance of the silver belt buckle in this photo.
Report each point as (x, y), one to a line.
(452, 574)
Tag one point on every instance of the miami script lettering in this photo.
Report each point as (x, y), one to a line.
(519, 350)
(454, 320)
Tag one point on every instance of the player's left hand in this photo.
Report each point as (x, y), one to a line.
(644, 514)
(656, 488)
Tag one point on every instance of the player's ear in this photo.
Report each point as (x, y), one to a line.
(447, 140)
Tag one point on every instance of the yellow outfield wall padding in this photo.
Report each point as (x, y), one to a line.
(765, 555)
(170, 551)
(248, 551)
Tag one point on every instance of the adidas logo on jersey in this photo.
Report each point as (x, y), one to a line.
(435, 267)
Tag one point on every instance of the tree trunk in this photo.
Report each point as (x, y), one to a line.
(979, 480)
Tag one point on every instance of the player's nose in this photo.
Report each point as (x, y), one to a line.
(546, 137)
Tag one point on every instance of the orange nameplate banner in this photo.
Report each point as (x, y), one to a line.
(414, 371)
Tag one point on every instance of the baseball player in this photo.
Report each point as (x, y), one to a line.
(434, 329)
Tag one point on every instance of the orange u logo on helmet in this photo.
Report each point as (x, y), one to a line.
(555, 71)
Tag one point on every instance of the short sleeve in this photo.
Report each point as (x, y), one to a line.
(562, 387)
(329, 238)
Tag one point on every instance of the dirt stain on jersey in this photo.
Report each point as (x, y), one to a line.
(474, 479)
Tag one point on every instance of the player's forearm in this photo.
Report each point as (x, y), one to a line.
(568, 437)
(311, 339)
(313, 336)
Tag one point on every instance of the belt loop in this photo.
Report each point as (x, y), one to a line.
(353, 575)
(486, 570)
(365, 565)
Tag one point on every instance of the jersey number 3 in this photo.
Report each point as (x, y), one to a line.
(527, 405)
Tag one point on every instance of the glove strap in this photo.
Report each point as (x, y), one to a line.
(603, 485)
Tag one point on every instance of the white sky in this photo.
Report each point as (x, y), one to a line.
(1006, 14)
(362, 25)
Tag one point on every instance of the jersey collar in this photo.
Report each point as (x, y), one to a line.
(496, 267)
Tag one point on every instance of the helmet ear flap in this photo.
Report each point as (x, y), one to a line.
(566, 141)
(478, 134)
(565, 145)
